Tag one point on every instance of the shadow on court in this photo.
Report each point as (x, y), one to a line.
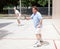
(4, 33)
(5, 24)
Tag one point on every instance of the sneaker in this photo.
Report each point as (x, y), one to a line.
(37, 44)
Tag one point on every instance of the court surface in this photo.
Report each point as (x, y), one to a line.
(13, 36)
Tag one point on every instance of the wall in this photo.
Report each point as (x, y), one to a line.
(56, 9)
(56, 15)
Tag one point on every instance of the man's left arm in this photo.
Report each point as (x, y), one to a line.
(41, 20)
(40, 23)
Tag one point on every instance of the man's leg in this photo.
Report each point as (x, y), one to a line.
(38, 36)
(18, 21)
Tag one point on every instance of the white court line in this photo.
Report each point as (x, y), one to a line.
(58, 34)
(56, 29)
(56, 47)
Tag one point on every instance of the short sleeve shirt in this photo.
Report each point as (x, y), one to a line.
(36, 18)
(17, 12)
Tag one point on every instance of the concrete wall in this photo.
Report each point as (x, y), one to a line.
(56, 14)
(56, 9)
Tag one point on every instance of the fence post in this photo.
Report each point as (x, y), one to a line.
(48, 7)
(20, 6)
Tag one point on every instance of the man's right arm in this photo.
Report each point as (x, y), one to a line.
(28, 18)
(31, 17)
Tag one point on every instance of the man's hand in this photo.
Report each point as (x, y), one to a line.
(28, 18)
(39, 26)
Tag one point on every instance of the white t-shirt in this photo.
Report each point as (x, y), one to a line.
(17, 13)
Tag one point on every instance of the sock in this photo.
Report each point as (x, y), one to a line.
(41, 40)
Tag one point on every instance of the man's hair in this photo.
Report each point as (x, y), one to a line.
(14, 7)
(35, 8)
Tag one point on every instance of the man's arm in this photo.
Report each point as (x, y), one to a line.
(40, 23)
(31, 17)
(17, 14)
(28, 18)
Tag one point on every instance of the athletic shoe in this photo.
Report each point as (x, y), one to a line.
(37, 44)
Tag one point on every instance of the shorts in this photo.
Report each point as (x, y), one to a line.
(38, 30)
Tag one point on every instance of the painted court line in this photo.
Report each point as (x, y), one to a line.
(55, 44)
(27, 39)
(58, 34)
(56, 29)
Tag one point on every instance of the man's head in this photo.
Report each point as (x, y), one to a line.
(34, 9)
(14, 8)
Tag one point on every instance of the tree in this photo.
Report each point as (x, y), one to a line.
(25, 3)
(38, 3)
(9, 3)
(42, 2)
(2, 4)
(12, 2)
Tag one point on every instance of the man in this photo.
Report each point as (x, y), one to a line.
(17, 14)
(37, 20)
